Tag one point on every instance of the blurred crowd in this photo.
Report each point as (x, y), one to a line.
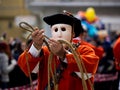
(11, 76)
(95, 33)
(102, 41)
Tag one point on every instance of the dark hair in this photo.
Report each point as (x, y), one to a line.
(4, 47)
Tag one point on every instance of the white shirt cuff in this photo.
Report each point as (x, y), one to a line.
(34, 51)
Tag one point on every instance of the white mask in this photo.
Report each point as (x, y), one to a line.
(62, 31)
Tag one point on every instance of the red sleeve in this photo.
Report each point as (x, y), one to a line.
(99, 51)
(89, 58)
(26, 59)
(116, 51)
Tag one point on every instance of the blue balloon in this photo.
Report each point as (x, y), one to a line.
(92, 30)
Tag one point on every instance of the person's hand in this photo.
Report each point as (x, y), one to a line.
(14, 62)
(38, 36)
(57, 48)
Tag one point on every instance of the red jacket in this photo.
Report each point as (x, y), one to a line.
(67, 82)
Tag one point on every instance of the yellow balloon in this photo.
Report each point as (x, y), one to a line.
(90, 14)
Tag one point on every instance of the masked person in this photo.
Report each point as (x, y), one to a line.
(63, 27)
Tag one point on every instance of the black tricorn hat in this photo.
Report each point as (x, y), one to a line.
(65, 19)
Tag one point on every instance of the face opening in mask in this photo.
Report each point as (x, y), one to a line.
(62, 31)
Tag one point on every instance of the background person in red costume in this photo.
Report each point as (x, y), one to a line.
(116, 49)
(63, 27)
